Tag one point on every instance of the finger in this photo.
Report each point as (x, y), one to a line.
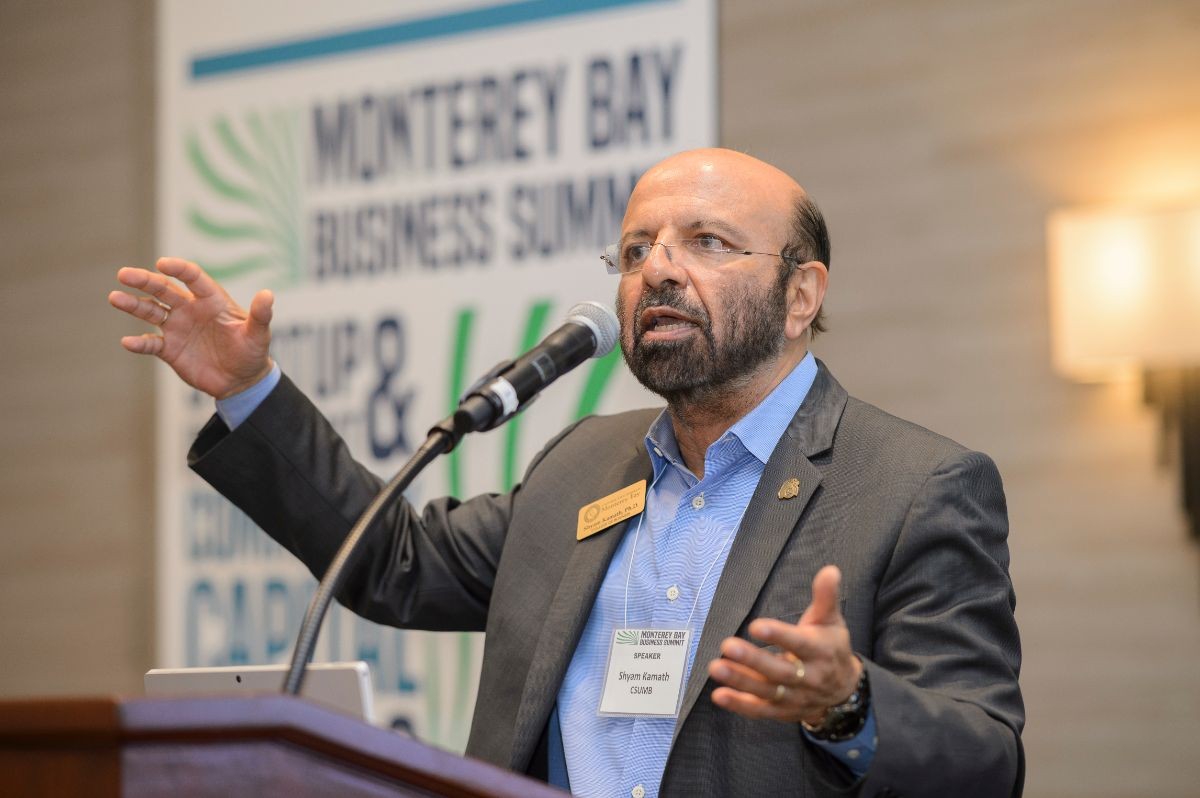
(774, 668)
(741, 678)
(123, 301)
(133, 276)
(191, 275)
(140, 307)
(751, 705)
(148, 344)
(164, 290)
(808, 643)
(261, 311)
(825, 608)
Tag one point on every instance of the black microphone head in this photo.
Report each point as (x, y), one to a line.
(601, 321)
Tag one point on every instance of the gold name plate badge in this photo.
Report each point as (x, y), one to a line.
(613, 508)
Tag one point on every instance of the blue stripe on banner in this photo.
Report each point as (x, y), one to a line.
(397, 33)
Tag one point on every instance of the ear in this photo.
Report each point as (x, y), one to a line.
(806, 292)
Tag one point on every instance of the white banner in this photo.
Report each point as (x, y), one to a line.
(427, 196)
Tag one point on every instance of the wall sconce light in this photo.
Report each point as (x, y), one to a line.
(1125, 294)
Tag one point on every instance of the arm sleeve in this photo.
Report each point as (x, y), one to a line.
(237, 408)
(293, 475)
(946, 657)
(291, 472)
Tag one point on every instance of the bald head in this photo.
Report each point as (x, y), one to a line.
(728, 165)
(747, 188)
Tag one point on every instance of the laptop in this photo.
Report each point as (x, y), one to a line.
(344, 686)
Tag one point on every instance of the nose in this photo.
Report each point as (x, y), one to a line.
(663, 266)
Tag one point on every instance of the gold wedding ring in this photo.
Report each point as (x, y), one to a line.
(166, 315)
(799, 663)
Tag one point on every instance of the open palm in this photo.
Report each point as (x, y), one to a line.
(211, 342)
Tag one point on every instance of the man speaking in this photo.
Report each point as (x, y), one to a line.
(767, 588)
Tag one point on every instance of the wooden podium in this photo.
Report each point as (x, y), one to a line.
(265, 745)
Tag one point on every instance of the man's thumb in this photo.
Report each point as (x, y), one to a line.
(261, 310)
(825, 608)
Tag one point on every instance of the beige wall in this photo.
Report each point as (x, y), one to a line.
(936, 135)
(76, 475)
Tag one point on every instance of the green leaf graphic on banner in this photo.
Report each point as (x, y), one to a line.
(534, 322)
(450, 729)
(627, 637)
(250, 212)
(460, 711)
(433, 693)
(598, 377)
(458, 383)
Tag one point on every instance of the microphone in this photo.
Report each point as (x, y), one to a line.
(591, 330)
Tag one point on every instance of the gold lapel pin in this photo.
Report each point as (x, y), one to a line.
(790, 489)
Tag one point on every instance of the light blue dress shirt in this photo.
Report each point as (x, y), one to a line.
(237, 408)
(672, 571)
(682, 540)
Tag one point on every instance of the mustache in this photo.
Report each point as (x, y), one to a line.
(671, 297)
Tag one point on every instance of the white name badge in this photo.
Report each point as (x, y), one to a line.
(645, 671)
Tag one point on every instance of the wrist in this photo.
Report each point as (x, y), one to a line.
(855, 675)
(844, 720)
(241, 386)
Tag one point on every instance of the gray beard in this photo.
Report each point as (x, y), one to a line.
(700, 371)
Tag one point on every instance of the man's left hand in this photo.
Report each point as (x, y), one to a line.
(815, 670)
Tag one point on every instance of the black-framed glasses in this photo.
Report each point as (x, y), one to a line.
(702, 250)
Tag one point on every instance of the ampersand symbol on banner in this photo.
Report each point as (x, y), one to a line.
(386, 407)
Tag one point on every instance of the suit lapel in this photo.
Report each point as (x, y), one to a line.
(569, 611)
(767, 525)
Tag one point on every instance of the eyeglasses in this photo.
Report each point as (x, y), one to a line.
(703, 250)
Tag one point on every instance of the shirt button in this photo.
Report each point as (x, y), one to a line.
(658, 451)
(638, 792)
(853, 753)
(672, 593)
(698, 502)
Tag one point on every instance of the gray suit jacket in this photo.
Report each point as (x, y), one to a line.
(916, 522)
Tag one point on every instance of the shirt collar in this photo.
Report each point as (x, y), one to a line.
(758, 431)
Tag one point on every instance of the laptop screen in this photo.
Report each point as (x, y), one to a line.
(344, 686)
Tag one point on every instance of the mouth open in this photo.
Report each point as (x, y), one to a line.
(663, 323)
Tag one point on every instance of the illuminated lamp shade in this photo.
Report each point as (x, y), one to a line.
(1124, 290)
(1125, 296)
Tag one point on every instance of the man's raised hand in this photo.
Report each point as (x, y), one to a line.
(210, 341)
(815, 668)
